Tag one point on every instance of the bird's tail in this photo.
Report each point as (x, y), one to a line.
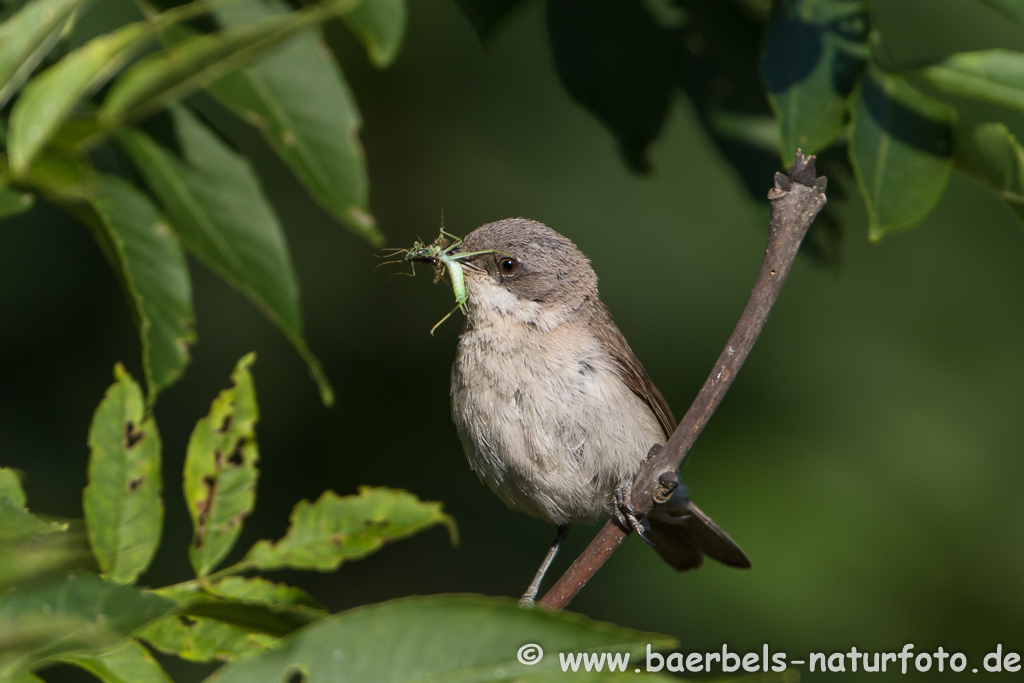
(682, 534)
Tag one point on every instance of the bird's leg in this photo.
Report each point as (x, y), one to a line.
(531, 592)
(625, 515)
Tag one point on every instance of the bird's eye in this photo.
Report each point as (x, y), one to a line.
(508, 265)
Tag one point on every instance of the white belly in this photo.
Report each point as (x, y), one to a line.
(546, 422)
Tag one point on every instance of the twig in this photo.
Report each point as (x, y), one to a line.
(795, 201)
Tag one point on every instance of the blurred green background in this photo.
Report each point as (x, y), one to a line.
(867, 458)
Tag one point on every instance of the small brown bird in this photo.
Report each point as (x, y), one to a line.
(554, 411)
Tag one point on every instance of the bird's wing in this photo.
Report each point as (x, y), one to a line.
(630, 369)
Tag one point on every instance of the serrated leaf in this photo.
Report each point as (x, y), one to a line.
(50, 97)
(438, 638)
(153, 269)
(127, 662)
(144, 253)
(336, 529)
(27, 37)
(197, 639)
(487, 16)
(299, 100)
(10, 487)
(901, 149)
(989, 153)
(13, 201)
(214, 201)
(995, 76)
(123, 509)
(78, 611)
(380, 24)
(220, 470)
(616, 60)
(814, 52)
(165, 77)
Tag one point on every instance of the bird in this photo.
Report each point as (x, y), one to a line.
(554, 411)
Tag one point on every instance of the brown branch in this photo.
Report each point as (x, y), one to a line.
(795, 201)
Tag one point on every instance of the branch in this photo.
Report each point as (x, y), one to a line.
(795, 201)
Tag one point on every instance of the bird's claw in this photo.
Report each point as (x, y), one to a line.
(627, 517)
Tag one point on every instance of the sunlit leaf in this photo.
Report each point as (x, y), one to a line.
(380, 24)
(336, 529)
(995, 76)
(165, 77)
(17, 524)
(78, 611)
(901, 148)
(299, 100)
(127, 662)
(123, 509)
(989, 153)
(199, 639)
(27, 37)
(213, 199)
(50, 97)
(438, 638)
(10, 487)
(814, 52)
(220, 470)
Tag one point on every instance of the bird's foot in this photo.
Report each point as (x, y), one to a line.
(627, 517)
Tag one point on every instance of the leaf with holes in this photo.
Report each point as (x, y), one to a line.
(814, 52)
(995, 76)
(989, 153)
(380, 24)
(123, 509)
(438, 638)
(220, 470)
(214, 201)
(299, 100)
(199, 639)
(27, 37)
(127, 662)
(901, 149)
(78, 611)
(336, 529)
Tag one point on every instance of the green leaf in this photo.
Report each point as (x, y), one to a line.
(214, 201)
(153, 269)
(380, 24)
(438, 638)
(18, 525)
(50, 97)
(995, 76)
(299, 100)
(335, 529)
(220, 470)
(165, 77)
(814, 52)
(901, 149)
(27, 37)
(14, 201)
(1014, 9)
(201, 634)
(10, 486)
(197, 639)
(123, 510)
(127, 662)
(79, 611)
(989, 153)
